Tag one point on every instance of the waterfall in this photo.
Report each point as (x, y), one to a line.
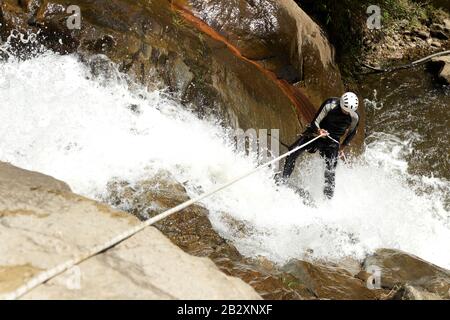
(60, 119)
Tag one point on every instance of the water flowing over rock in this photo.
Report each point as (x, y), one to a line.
(43, 224)
(251, 64)
(240, 69)
(192, 231)
(402, 276)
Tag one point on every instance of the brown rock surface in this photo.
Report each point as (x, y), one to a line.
(279, 35)
(192, 231)
(402, 276)
(328, 282)
(399, 269)
(43, 224)
(241, 77)
(444, 67)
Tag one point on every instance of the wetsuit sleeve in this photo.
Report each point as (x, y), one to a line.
(352, 129)
(326, 107)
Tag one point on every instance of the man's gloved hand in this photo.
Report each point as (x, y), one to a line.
(323, 132)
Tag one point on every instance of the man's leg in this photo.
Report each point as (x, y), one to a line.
(290, 160)
(331, 160)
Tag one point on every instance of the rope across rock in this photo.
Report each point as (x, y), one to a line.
(49, 274)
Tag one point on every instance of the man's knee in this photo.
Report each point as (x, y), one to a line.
(331, 158)
(331, 164)
(299, 142)
(291, 159)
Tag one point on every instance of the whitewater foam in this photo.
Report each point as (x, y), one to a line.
(59, 119)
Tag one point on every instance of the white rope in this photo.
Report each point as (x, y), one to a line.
(53, 272)
(341, 154)
(334, 140)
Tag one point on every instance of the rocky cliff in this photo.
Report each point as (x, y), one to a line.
(253, 64)
(43, 224)
(401, 276)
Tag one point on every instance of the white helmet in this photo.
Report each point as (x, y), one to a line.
(349, 101)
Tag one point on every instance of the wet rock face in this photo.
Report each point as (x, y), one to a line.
(192, 231)
(281, 37)
(61, 224)
(408, 292)
(252, 26)
(414, 276)
(236, 64)
(402, 276)
(329, 282)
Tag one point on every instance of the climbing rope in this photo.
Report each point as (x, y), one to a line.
(341, 154)
(332, 139)
(53, 272)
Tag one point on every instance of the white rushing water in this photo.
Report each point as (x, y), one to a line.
(59, 120)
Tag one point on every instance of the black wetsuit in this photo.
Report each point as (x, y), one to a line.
(331, 118)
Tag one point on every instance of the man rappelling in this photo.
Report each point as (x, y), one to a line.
(336, 117)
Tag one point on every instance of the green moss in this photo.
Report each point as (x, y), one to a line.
(178, 21)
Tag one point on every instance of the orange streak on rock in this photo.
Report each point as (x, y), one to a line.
(304, 107)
